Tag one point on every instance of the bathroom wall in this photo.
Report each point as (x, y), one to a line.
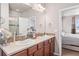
(0, 16)
(67, 24)
(0, 10)
(5, 14)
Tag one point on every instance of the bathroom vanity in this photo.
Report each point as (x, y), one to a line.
(28, 29)
(41, 46)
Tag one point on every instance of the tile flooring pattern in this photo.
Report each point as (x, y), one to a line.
(67, 52)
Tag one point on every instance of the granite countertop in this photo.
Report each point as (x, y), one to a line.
(18, 46)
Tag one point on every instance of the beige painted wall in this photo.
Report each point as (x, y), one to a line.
(5, 14)
(0, 16)
(0, 10)
(67, 24)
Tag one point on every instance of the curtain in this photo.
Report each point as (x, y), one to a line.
(73, 25)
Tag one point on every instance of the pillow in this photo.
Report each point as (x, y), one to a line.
(63, 33)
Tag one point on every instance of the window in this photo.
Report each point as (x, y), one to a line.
(77, 24)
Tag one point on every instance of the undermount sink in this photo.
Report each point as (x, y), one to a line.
(25, 42)
(43, 37)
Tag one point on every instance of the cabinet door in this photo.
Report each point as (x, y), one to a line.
(31, 50)
(46, 51)
(52, 46)
(22, 53)
(46, 48)
(40, 45)
(39, 52)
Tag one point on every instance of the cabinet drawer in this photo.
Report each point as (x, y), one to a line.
(40, 45)
(39, 52)
(32, 49)
(22, 53)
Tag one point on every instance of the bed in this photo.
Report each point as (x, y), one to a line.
(70, 41)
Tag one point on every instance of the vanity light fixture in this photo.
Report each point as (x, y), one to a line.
(36, 6)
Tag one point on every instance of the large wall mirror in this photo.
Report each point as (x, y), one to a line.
(24, 20)
(21, 19)
(20, 25)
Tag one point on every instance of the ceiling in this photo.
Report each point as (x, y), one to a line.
(20, 7)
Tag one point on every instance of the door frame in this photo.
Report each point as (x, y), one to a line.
(60, 25)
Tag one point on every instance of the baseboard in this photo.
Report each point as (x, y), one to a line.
(56, 54)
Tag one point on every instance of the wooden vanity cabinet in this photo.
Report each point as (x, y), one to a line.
(39, 51)
(49, 47)
(21, 53)
(45, 48)
(40, 45)
(32, 50)
(52, 44)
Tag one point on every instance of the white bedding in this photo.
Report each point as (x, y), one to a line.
(71, 35)
(72, 39)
